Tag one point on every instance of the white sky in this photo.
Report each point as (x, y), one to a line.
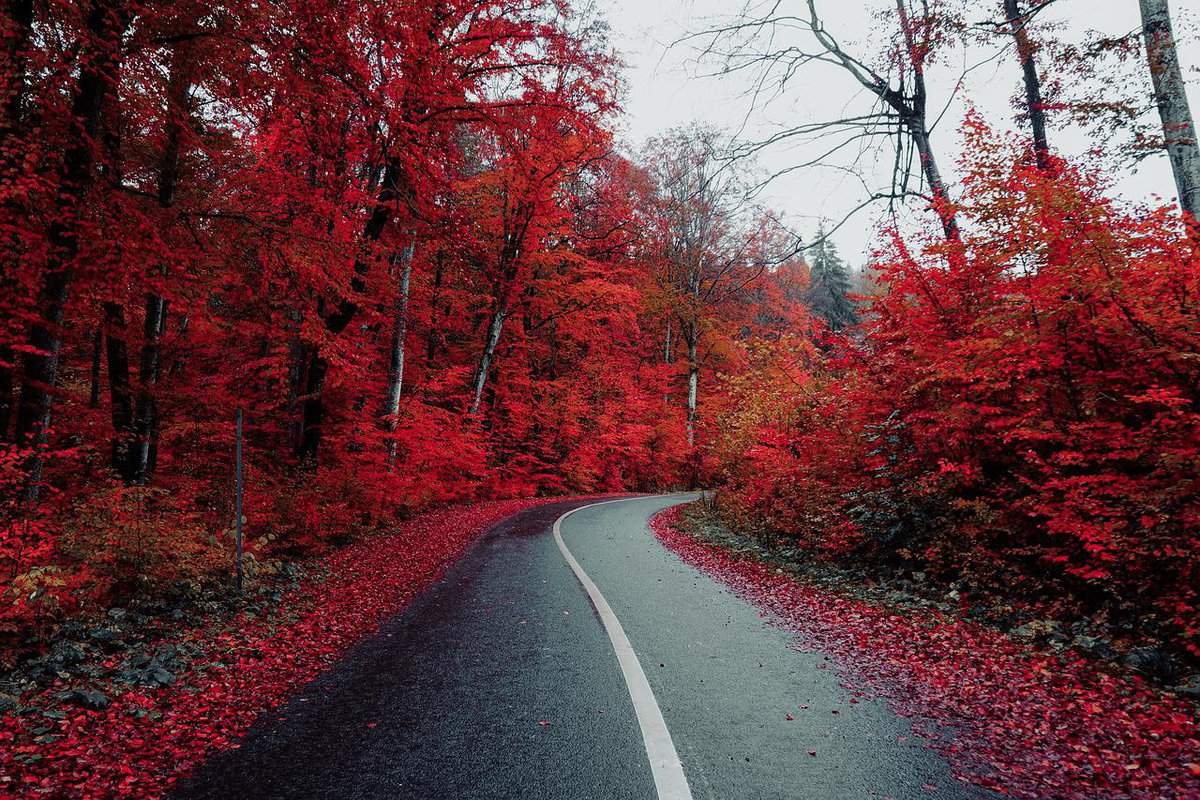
(664, 92)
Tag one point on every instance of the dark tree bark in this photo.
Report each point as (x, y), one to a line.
(507, 271)
(146, 421)
(298, 358)
(913, 114)
(145, 424)
(97, 344)
(181, 328)
(1034, 107)
(933, 176)
(100, 64)
(313, 416)
(120, 391)
(16, 26)
(431, 341)
(6, 390)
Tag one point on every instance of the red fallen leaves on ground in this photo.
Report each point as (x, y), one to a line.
(1026, 724)
(121, 751)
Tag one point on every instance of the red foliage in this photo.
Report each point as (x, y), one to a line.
(1020, 408)
(395, 234)
(146, 739)
(1025, 724)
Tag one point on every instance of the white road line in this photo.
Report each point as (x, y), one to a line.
(669, 779)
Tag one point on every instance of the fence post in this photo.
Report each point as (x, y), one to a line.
(238, 501)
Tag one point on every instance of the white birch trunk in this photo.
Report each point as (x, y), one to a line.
(485, 360)
(391, 406)
(667, 360)
(693, 390)
(1170, 94)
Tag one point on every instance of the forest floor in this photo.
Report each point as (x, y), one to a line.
(124, 704)
(1032, 715)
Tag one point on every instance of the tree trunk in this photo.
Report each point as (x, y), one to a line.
(17, 22)
(933, 177)
(6, 389)
(145, 426)
(97, 342)
(120, 393)
(431, 341)
(489, 353)
(337, 321)
(40, 365)
(693, 387)
(1170, 94)
(391, 406)
(298, 359)
(181, 327)
(912, 111)
(1033, 86)
(312, 415)
(667, 360)
(502, 290)
(106, 23)
(146, 422)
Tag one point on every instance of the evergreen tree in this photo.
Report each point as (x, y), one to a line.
(830, 285)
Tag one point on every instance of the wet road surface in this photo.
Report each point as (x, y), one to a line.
(502, 682)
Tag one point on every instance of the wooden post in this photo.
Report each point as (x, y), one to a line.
(238, 500)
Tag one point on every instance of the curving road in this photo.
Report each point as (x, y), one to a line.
(503, 681)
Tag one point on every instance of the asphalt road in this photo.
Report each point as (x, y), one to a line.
(502, 682)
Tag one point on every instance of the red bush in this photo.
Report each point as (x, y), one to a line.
(1025, 403)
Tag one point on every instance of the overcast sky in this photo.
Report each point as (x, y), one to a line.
(665, 91)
